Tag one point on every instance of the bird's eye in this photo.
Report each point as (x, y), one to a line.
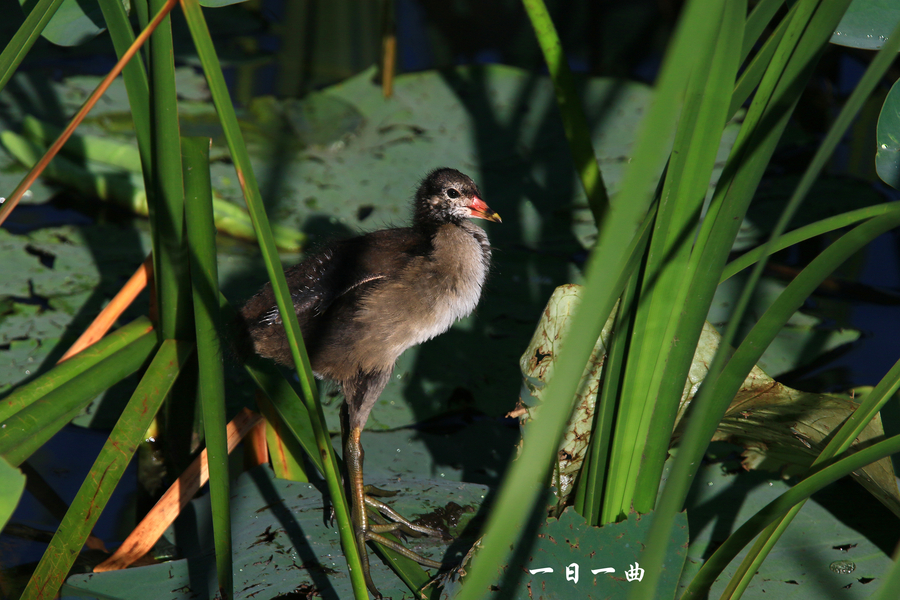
(452, 193)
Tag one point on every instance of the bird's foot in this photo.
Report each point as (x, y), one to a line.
(373, 533)
(389, 520)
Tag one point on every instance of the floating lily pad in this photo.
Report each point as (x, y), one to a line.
(355, 167)
(866, 24)
(835, 524)
(55, 281)
(12, 484)
(568, 558)
(283, 544)
(74, 22)
(887, 136)
(807, 336)
(452, 450)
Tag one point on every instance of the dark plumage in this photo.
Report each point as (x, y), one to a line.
(361, 302)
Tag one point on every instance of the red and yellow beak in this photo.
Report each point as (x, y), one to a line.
(479, 210)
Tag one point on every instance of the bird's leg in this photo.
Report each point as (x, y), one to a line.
(361, 395)
(360, 498)
(353, 461)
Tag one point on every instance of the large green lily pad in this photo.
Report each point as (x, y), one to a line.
(836, 524)
(887, 155)
(807, 336)
(567, 558)
(866, 24)
(74, 22)
(282, 543)
(345, 160)
(477, 452)
(54, 282)
(12, 484)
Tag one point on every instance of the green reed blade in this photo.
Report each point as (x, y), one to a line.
(29, 429)
(201, 237)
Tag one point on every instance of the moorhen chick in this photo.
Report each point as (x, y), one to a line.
(362, 301)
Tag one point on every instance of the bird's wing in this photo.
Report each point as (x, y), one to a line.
(352, 266)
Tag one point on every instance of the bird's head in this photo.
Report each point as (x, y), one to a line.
(448, 196)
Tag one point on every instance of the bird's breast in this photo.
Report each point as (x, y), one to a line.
(429, 295)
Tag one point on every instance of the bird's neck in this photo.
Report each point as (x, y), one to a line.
(464, 252)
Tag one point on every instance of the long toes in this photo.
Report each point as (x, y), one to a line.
(408, 526)
(401, 549)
